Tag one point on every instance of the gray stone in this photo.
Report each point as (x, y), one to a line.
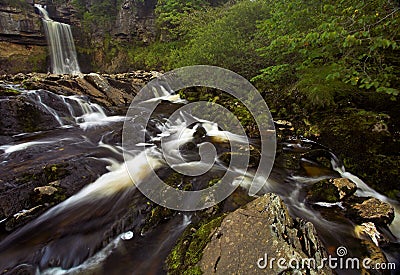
(263, 227)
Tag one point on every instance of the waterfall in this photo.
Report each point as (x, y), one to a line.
(61, 45)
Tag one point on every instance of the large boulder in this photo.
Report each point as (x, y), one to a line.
(369, 210)
(262, 229)
(248, 238)
(21, 115)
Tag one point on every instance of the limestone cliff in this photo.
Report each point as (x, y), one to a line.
(136, 21)
(22, 42)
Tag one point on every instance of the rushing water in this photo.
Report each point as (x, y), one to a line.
(61, 45)
(70, 238)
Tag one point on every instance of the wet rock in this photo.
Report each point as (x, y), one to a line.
(332, 190)
(22, 217)
(376, 256)
(21, 115)
(263, 227)
(67, 175)
(368, 231)
(369, 210)
(45, 190)
(54, 77)
(8, 92)
(114, 91)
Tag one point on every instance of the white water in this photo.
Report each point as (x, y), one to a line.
(8, 149)
(61, 45)
(365, 191)
(87, 115)
(36, 97)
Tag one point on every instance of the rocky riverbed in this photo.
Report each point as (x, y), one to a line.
(60, 133)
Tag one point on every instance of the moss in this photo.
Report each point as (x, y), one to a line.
(55, 172)
(188, 250)
(214, 181)
(323, 191)
(37, 61)
(158, 215)
(8, 92)
(193, 271)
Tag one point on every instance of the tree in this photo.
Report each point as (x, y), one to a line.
(329, 47)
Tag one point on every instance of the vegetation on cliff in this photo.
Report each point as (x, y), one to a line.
(327, 49)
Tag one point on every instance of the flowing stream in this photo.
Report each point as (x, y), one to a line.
(61, 45)
(79, 234)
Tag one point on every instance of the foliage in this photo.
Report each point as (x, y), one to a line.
(97, 13)
(223, 36)
(171, 13)
(341, 44)
(15, 3)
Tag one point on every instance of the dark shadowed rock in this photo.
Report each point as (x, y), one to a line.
(332, 190)
(262, 227)
(369, 210)
(21, 115)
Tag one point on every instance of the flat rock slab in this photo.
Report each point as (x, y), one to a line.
(262, 229)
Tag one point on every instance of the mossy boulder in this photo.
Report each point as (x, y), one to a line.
(331, 190)
(261, 227)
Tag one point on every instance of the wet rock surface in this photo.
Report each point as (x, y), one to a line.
(110, 90)
(21, 115)
(369, 210)
(332, 190)
(262, 227)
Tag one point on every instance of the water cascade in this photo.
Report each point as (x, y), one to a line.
(61, 45)
(70, 238)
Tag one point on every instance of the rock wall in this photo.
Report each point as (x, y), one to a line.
(136, 21)
(22, 42)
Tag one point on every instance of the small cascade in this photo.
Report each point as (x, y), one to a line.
(61, 45)
(365, 191)
(70, 110)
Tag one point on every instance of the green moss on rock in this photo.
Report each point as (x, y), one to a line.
(189, 248)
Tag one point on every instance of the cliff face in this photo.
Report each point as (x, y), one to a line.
(108, 41)
(23, 46)
(22, 42)
(136, 21)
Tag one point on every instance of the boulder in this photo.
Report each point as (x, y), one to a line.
(115, 96)
(369, 209)
(21, 115)
(332, 190)
(249, 237)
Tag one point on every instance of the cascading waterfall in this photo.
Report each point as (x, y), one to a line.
(61, 45)
(68, 238)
